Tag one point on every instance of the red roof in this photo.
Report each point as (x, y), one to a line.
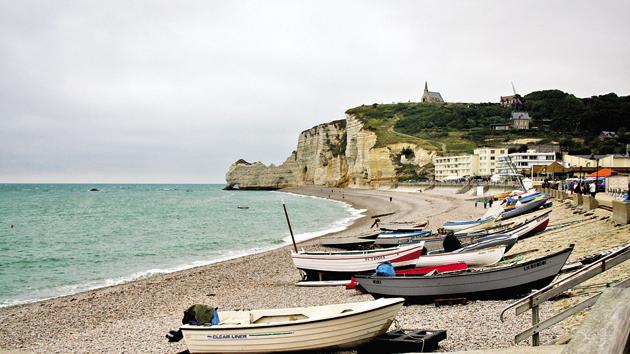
(604, 172)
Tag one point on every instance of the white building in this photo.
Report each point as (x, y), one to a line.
(488, 158)
(460, 165)
(523, 161)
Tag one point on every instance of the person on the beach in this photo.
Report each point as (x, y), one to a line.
(485, 203)
(490, 201)
(390, 199)
(592, 188)
(577, 189)
(376, 221)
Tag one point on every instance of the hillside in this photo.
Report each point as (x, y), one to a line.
(387, 143)
(460, 127)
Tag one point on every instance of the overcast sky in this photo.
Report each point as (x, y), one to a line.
(175, 91)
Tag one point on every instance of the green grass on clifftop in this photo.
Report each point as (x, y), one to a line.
(460, 127)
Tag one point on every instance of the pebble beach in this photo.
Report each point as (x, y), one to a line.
(134, 317)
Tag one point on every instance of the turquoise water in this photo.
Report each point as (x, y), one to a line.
(66, 239)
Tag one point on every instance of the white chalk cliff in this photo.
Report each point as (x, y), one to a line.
(335, 154)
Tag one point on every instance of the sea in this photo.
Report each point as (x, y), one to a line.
(61, 239)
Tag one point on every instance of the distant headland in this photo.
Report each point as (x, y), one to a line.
(384, 143)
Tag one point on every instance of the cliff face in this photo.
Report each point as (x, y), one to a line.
(339, 154)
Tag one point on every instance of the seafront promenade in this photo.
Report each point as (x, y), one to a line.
(134, 317)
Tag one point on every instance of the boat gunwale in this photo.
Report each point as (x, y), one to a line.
(342, 315)
(466, 222)
(360, 253)
(485, 271)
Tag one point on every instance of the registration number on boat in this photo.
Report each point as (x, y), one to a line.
(375, 258)
(534, 265)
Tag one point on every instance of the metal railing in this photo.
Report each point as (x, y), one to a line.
(533, 301)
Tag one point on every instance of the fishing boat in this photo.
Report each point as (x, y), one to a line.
(325, 283)
(525, 228)
(348, 243)
(491, 241)
(352, 283)
(343, 264)
(498, 283)
(482, 257)
(398, 238)
(339, 326)
(530, 198)
(402, 226)
(462, 225)
(523, 209)
(508, 239)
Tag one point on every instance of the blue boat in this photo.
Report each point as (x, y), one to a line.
(462, 225)
(398, 238)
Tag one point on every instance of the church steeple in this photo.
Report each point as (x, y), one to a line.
(430, 97)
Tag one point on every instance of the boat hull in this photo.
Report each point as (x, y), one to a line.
(393, 239)
(342, 265)
(463, 225)
(482, 257)
(345, 330)
(501, 283)
(523, 209)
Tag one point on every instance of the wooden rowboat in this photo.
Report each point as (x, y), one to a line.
(343, 264)
(402, 226)
(399, 238)
(498, 283)
(523, 209)
(340, 326)
(463, 225)
(482, 257)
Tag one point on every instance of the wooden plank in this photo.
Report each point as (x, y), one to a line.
(605, 329)
(555, 319)
(565, 284)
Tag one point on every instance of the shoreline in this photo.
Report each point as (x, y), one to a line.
(103, 310)
(337, 226)
(135, 316)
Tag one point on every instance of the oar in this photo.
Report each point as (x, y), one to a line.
(289, 223)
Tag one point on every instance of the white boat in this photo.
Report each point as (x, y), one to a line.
(399, 238)
(496, 283)
(343, 264)
(482, 257)
(323, 283)
(339, 326)
(463, 225)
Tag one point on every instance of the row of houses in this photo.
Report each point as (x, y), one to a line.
(489, 161)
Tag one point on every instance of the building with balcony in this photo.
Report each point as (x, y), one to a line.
(460, 166)
(523, 161)
(488, 159)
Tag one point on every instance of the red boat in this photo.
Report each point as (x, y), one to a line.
(445, 268)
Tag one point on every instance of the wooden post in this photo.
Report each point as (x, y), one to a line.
(535, 321)
(290, 229)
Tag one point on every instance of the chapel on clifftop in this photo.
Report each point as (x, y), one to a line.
(430, 97)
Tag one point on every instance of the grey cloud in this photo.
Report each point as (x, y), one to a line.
(162, 91)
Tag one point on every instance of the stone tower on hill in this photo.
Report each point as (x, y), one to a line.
(431, 97)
